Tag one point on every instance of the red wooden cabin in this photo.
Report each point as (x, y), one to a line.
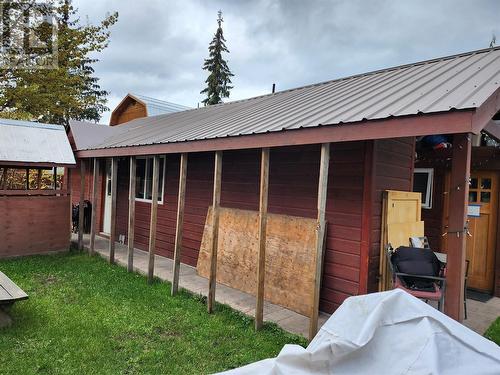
(370, 121)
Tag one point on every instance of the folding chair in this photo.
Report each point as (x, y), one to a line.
(398, 281)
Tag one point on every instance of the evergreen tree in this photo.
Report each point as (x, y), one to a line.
(70, 90)
(219, 79)
(493, 41)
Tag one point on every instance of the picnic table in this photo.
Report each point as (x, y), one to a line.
(9, 293)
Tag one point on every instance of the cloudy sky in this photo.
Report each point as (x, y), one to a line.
(158, 46)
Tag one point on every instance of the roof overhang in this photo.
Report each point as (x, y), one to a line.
(464, 121)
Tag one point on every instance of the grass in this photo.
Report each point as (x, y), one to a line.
(85, 316)
(493, 332)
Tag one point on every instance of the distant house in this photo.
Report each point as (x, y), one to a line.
(366, 125)
(135, 106)
(35, 204)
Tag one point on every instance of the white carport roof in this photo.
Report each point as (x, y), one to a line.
(25, 142)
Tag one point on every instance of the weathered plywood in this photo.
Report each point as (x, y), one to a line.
(290, 256)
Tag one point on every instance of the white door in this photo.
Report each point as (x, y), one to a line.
(106, 225)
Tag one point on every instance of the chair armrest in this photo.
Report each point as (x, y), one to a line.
(421, 276)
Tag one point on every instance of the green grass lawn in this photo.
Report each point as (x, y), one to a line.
(493, 332)
(85, 316)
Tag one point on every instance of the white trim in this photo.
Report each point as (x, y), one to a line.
(430, 185)
(160, 193)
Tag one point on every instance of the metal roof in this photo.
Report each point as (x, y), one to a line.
(87, 134)
(456, 82)
(31, 142)
(157, 107)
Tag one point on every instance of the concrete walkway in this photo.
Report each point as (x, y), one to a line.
(480, 314)
(189, 280)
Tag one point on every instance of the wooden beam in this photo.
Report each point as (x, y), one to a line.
(261, 266)
(366, 221)
(180, 219)
(457, 236)
(212, 280)
(320, 234)
(154, 212)
(397, 127)
(82, 198)
(112, 231)
(69, 189)
(131, 214)
(95, 187)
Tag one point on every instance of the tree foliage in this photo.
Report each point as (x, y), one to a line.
(71, 89)
(219, 80)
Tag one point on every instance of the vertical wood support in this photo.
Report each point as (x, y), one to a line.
(366, 232)
(82, 198)
(320, 234)
(112, 231)
(93, 223)
(131, 215)
(180, 219)
(154, 213)
(69, 188)
(261, 266)
(457, 235)
(215, 231)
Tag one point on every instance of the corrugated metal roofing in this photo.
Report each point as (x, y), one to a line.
(462, 81)
(157, 107)
(31, 142)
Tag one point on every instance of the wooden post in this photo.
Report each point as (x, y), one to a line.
(82, 198)
(212, 281)
(112, 231)
(93, 224)
(69, 188)
(261, 266)
(457, 237)
(180, 218)
(131, 214)
(152, 223)
(320, 234)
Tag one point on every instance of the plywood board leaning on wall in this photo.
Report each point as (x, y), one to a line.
(401, 219)
(290, 256)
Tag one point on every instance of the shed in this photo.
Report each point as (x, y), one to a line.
(325, 151)
(35, 205)
(135, 106)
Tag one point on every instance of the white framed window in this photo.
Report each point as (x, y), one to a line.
(423, 180)
(144, 179)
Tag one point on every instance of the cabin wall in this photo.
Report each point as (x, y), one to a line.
(34, 225)
(293, 189)
(392, 163)
(76, 183)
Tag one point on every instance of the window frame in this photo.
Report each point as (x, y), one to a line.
(146, 171)
(430, 186)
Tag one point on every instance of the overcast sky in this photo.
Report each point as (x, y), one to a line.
(158, 46)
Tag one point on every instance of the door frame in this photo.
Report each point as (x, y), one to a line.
(496, 251)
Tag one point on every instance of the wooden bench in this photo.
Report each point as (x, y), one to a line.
(9, 292)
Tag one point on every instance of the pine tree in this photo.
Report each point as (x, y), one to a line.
(70, 90)
(219, 79)
(493, 41)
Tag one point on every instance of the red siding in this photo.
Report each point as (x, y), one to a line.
(393, 161)
(294, 173)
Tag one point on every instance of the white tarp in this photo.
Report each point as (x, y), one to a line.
(386, 333)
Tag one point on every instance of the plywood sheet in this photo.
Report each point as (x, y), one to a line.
(398, 234)
(290, 256)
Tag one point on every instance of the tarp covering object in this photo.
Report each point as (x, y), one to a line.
(386, 333)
